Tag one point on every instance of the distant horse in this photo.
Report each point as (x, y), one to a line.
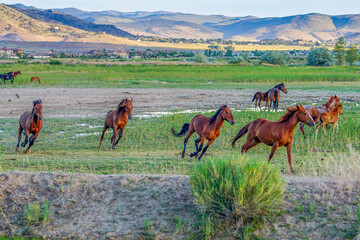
(117, 120)
(260, 96)
(316, 111)
(275, 134)
(30, 123)
(9, 76)
(206, 127)
(330, 117)
(35, 79)
(274, 96)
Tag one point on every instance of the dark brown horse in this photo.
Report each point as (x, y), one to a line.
(9, 76)
(260, 96)
(117, 120)
(30, 123)
(316, 111)
(275, 134)
(206, 127)
(274, 96)
(35, 79)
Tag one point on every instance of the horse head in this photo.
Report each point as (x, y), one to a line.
(127, 106)
(339, 108)
(282, 88)
(226, 114)
(304, 116)
(37, 109)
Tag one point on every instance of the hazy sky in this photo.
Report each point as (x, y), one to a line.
(260, 8)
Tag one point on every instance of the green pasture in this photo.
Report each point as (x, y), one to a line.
(148, 147)
(184, 76)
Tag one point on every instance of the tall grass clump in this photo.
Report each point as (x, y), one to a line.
(34, 213)
(237, 190)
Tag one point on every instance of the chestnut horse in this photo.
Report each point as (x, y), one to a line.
(117, 120)
(330, 117)
(275, 134)
(260, 96)
(316, 111)
(37, 79)
(274, 96)
(206, 127)
(30, 123)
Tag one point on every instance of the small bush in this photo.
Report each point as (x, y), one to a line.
(237, 189)
(55, 62)
(200, 58)
(36, 214)
(277, 58)
(320, 57)
(237, 59)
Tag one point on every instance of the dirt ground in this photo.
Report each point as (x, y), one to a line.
(95, 102)
(150, 206)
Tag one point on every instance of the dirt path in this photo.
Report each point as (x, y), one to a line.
(143, 206)
(95, 102)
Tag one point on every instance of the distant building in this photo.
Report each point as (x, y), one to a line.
(11, 51)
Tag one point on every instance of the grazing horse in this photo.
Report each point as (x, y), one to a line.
(117, 120)
(316, 111)
(37, 79)
(206, 127)
(274, 96)
(330, 117)
(260, 96)
(275, 134)
(30, 123)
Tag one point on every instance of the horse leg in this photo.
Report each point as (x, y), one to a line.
(317, 130)
(256, 101)
(191, 131)
(19, 139)
(288, 151)
(274, 147)
(252, 144)
(113, 138)
(207, 146)
(260, 105)
(322, 126)
(103, 133)
(302, 129)
(26, 138)
(202, 141)
(31, 142)
(121, 132)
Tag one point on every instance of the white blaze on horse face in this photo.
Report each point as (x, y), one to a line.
(309, 116)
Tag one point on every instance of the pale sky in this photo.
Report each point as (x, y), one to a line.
(259, 8)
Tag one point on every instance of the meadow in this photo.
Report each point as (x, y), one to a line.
(204, 76)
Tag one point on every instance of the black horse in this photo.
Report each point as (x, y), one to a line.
(274, 95)
(7, 76)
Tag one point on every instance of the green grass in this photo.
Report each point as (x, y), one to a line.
(185, 76)
(149, 147)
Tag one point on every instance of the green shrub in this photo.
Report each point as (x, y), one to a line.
(36, 214)
(237, 59)
(237, 189)
(320, 57)
(55, 62)
(200, 58)
(277, 58)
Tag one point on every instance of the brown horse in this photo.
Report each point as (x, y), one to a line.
(30, 123)
(275, 134)
(316, 111)
(330, 117)
(37, 79)
(16, 73)
(260, 96)
(274, 96)
(117, 120)
(206, 127)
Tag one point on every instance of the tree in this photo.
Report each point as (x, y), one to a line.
(277, 58)
(339, 51)
(228, 53)
(320, 57)
(352, 55)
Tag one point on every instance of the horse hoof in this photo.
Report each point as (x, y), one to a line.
(192, 154)
(23, 145)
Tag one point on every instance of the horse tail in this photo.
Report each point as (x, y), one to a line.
(184, 129)
(241, 133)
(254, 97)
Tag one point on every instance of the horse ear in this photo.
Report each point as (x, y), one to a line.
(297, 106)
(34, 102)
(40, 101)
(335, 96)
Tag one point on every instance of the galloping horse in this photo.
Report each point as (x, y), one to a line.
(30, 123)
(117, 120)
(275, 134)
(37, 79)
(260, 96)
(316, 111)
(206, 127)
(330, 117)
(274, 96)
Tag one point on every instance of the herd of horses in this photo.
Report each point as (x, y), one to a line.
(272, 133)
(11, 76)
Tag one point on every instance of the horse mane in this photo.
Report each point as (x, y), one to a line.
(288, 115)
(212, 119)
(279, 85)
(121, 105)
